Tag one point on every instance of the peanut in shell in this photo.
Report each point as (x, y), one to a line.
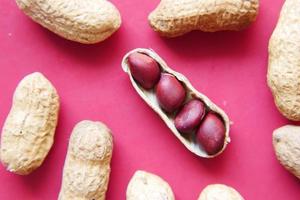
(87, 166)
(219, 192)
(28, 132)
(172, 18)
(83, 21)
(147, 186)
(284, 61)
(286, 143)
(149, 96)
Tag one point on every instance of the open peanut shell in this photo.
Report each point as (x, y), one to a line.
(150, 98)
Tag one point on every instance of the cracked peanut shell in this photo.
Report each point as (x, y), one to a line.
(190, 142)
(173, 18)
(284, 61)
(286, 143)
(28, 132)
(87, 165)
(146, 186)
(219, 192)
(83, 21)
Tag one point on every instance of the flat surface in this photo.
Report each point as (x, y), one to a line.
(229, 67)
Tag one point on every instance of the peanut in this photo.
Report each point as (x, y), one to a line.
(175, 18)
(28, 132)
(219, 192)
(84, 21)
(87, 166)
(284, 61)
(189, 116)
(147, 186)
(168, 97)
(286, 142)
(211, 133)
(170, 93)
(144, 69)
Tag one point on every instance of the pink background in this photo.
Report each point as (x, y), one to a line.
(229, 67)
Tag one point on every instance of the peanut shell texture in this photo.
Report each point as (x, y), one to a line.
(147, 186)
(172, 18)
(286, 143)
(28, 132)
(83, 21)
(219, 192)
(87, 166)
(284, 61)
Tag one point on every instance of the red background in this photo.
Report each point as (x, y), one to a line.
(229, 67)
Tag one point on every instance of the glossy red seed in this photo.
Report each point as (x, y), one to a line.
(144, 69)
(170, 93)
(190, 116)
(211, 133)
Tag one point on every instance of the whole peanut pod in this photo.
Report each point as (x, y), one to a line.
(211, 133)
(219, 192)
(284, 61)
(84, 21)
(174, 18)
(190, 116)
(286, 143)
(147, 186)
(28, 131)
(187, 93)
(144, 69)
(87, 166)
(170, 93)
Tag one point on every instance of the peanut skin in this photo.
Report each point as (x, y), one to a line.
(84, 21)
(286, 143)
(144, 69)
(219, 192)
(28, 131)
(87, 166)
(190, 116)
(174, 18)
(211, 134)
(147, 186)
(170, 93)
(284, 61)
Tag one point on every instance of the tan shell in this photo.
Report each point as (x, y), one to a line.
(219, 192)
(173, 18)
(286, 142)
(28, 132)
(150, 98)
(147, 186)
(84, 21)
(87, 166)
(284, 61)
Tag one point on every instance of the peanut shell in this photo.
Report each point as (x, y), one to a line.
(286, 142)
(149, 97)
(173, 18)
(284, 61)
(87, 165)
(28, 131)
(147, 186)
(84, 21)
(219, 192)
